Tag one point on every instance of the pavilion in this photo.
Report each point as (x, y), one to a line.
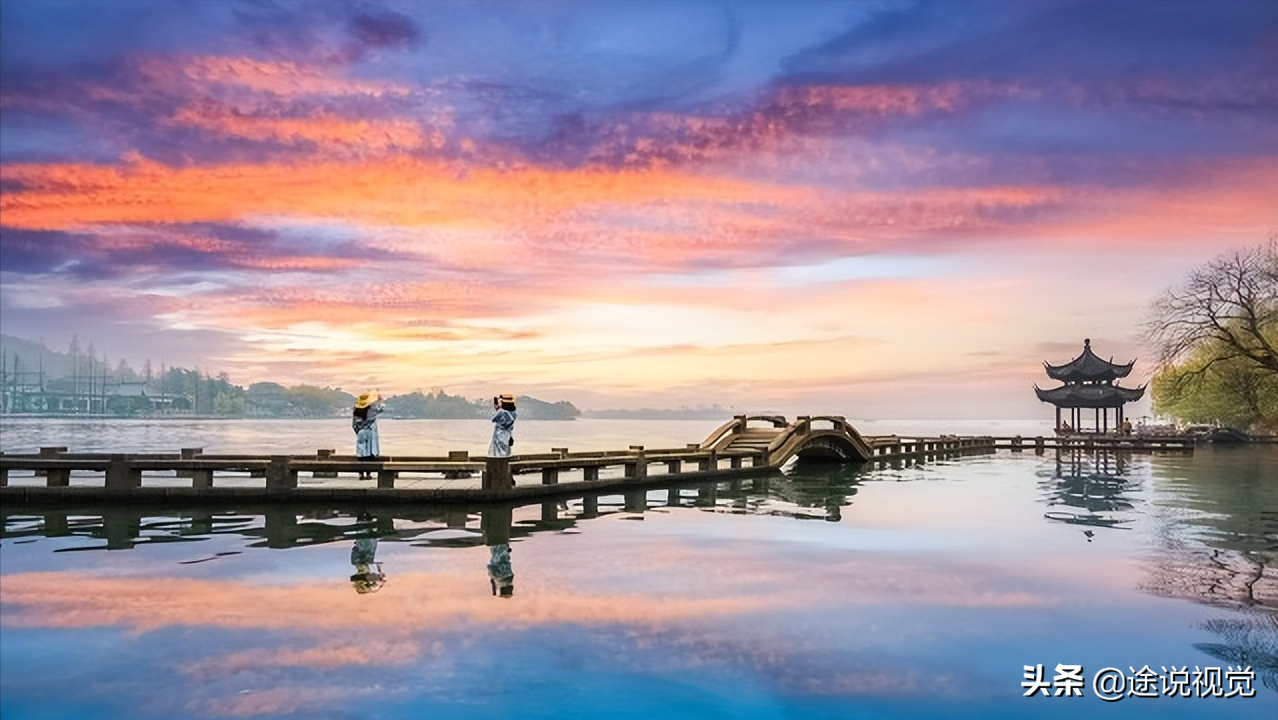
(1089, 383)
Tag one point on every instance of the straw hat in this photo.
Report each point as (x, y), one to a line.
(368, 582)
(366, 399)
(507, 398)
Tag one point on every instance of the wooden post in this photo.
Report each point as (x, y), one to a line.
(121, 475)
(58, 477)
(735, 462)
(562, 452)
(550, 476)
(324, 454)
(497, 475)
(280, 475)
(674, 467)
(51, 451)
(4, 474)
(637, 469)
(590, 473)
(188, 453)
(710, 462)
(457, 456)
(590, 504)
(201, 478)
(386, 478)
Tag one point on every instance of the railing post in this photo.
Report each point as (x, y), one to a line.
(121, 474)
(637, 469)
(457, 456)
(710, 462)
(188, 453)
(4, 474)
(562, 452)
(550, 476)
(590, 473)
(57, 477)
(279, 474)
(674, 467)
(52, 451)
(324, 454)
(386, 478)
(497, 475)
(201, 478)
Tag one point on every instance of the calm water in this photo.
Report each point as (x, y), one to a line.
(908, 592)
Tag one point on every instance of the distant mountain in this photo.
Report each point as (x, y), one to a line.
(30, 356)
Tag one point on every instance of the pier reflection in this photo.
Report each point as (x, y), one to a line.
(818, 493)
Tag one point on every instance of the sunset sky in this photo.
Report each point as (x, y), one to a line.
(875, 209)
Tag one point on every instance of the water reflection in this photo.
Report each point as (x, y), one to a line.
(1099, 483)
(368, 577)
(496, 525)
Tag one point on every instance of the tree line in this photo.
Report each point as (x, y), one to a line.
(34, 379)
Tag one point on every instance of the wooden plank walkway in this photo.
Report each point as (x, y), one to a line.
(745, 445)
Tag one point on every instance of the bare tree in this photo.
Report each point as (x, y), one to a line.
(1228, 306)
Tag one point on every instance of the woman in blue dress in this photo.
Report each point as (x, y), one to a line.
(503, 426)
(364, 423)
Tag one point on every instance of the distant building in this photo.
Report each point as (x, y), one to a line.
(1090, 383)
(145, 398)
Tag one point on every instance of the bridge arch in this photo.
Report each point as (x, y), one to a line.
(821, 437)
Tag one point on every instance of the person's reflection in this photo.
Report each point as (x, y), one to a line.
(495, 522)
(501, 576)
(368, 575)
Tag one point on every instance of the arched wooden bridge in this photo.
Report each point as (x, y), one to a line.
(822, 437)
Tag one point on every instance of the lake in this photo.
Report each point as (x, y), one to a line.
(919, 591)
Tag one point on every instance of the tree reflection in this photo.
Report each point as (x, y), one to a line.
(1251, 641)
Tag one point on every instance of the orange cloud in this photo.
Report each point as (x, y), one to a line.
(272, 78)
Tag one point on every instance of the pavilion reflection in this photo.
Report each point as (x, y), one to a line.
(1095, 482)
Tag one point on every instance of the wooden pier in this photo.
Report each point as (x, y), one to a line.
(745, 445)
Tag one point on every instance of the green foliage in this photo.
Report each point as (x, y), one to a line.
(1213, 388)
(437, 405)
(1217, 334)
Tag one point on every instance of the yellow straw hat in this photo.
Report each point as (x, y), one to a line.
(506, 398)
(366, 399)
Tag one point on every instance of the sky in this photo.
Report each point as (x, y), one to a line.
(871, 209)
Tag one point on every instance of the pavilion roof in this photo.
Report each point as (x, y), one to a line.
(1090, 396)
(1087, 367)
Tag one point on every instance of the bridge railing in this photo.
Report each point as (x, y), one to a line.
(723, 434)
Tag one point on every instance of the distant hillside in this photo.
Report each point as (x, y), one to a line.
(31, 356)
(442, 406)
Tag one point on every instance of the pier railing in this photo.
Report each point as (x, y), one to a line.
(734, 449)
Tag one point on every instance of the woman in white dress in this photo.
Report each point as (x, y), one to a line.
(364, 423)
(503, 426)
